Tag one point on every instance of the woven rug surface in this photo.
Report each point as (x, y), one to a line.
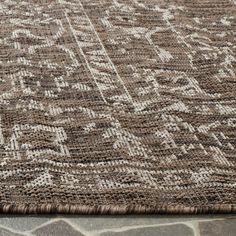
(117, 106)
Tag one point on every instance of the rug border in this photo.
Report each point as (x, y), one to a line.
(115, 209)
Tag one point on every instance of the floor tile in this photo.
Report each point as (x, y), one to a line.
(110, 222)
(5, 232)
(23, 223)
(173, 230)
(225, 227)
(58, 228)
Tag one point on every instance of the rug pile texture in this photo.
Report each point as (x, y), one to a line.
(117, 106)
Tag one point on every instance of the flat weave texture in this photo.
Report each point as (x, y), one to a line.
(117, 106)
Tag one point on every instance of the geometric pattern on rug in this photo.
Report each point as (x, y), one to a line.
(117, 106)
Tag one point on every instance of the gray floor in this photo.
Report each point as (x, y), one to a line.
(133, 225)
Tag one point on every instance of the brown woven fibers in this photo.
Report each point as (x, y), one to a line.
(117, 106)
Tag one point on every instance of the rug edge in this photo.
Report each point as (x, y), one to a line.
(115, 209)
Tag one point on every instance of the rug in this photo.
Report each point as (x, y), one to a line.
(117, 106)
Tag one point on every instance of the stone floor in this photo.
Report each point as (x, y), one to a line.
(133, 225)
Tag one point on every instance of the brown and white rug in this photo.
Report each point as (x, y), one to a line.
(117, 106)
